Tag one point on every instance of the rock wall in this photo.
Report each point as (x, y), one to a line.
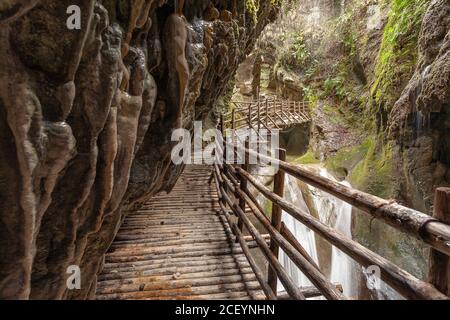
(420, 119)
(86, 118)
(378, 75)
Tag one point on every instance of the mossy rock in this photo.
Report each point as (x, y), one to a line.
(398, 54)
(375, 173)
(307, 158)
(346, 159)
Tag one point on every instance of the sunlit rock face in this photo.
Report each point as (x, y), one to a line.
(86, 118)
(420, 120)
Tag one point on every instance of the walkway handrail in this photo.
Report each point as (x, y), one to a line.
(260, 113)
(430, 230)
(418, 224)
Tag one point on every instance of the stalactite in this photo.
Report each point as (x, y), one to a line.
(83, 137)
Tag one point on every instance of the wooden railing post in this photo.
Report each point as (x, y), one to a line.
(278, 188)
(224, 144)
(259, 114)
(249, 114)
(439, 271)
(233, 119)
(222, 131)
(267, 113)
(243, 183)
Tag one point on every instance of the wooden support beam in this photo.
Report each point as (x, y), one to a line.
(439, 271)
(278, 188)
(233, 120)
(258, 273)
(267, 113)
(243, 183)
(309, 292)
(249, 119)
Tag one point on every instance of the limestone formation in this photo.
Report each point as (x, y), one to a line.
(86, 118)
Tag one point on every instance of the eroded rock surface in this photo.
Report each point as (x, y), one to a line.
(86, 118)
(420, 120)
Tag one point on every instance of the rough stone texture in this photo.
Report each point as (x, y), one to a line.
(86, 118)
(420, 120)
(328, 137)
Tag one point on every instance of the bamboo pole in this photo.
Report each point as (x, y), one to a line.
(278, 188)
(439, 271)
(399, 279)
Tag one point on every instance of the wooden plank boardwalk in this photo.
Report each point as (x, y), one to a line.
(178, 246)
(267, 113)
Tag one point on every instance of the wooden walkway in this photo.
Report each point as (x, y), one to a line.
(267, 113)
(178, 246)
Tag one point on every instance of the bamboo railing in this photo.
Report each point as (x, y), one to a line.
(267, 113)
(233, 182)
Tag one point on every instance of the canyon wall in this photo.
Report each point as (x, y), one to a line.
(377, 75)
(86, 118)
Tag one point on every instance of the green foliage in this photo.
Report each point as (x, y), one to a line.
(309, 94)
(335, 86)
(296, 54)
(398, 53)
(299, 49)
(344, 25)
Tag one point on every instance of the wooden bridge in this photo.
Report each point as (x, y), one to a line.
(267, 113)
(192, 243)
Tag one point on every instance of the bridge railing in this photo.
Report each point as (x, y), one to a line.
(268, 113)
(232, 182)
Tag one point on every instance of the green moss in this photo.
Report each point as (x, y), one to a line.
(398, 52)
(348, 158)
(374, 173)
(252, 7)
(307, 158)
